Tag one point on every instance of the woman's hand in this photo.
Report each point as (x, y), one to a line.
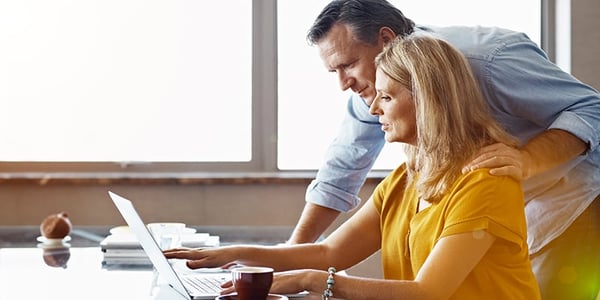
(291, 282)
(227, 288)
(202, 257)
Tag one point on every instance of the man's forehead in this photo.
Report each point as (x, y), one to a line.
(340, 36)
(338, 46)
(337, 53)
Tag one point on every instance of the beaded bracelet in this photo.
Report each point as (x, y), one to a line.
(330, 282)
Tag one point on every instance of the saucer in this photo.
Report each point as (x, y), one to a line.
(47, 241)
(127, 230)
(120, 230)
(235, 297)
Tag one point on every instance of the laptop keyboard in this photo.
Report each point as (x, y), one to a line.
(203, 285)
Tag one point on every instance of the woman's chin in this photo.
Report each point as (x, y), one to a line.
(391, 139)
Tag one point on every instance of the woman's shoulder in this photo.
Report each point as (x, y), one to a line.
(483, 176)
(478, 185)
(479, 188)
(396, 176)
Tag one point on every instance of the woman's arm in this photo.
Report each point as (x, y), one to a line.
(452, 259)
(355, 240)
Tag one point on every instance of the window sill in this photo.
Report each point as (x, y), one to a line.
(184, 178)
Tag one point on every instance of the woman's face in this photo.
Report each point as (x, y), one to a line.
(396, 110)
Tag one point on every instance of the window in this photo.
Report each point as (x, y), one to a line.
(126, 81)
(181, 85)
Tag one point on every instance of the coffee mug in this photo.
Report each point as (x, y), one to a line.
(252, 283)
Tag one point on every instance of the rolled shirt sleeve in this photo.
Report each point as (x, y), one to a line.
(541, 95)
(348, 159)
(526, 92)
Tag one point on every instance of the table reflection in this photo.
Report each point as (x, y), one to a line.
(67, 273)
(56, 256)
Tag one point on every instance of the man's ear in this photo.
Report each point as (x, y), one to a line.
(386, 34)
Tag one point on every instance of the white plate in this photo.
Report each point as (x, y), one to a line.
(120, 230)
(127, 230)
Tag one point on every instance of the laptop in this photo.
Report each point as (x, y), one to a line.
(191, 285)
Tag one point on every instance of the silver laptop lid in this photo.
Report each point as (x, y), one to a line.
(148, 243)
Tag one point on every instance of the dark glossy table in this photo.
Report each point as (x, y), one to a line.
(32, 270)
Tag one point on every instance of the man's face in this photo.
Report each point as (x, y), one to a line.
(351, 60)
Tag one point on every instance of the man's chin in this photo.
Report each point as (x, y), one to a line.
(368, 99)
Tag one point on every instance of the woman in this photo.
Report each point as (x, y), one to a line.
(442, 234)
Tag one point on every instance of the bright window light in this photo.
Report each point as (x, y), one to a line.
(135, 80)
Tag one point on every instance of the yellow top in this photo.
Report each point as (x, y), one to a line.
(476, 201)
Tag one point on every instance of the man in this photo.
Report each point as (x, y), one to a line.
(555, 116)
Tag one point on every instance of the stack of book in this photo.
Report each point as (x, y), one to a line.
(121, 247)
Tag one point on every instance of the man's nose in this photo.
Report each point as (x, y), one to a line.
(346, 81)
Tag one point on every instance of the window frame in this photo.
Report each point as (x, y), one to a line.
(263, 115)
(264, 91)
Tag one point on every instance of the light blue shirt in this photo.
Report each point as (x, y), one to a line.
(527, 93)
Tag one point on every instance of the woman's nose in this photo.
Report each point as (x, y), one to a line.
(374, 108)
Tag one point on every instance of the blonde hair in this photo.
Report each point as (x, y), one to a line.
(453, 119)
